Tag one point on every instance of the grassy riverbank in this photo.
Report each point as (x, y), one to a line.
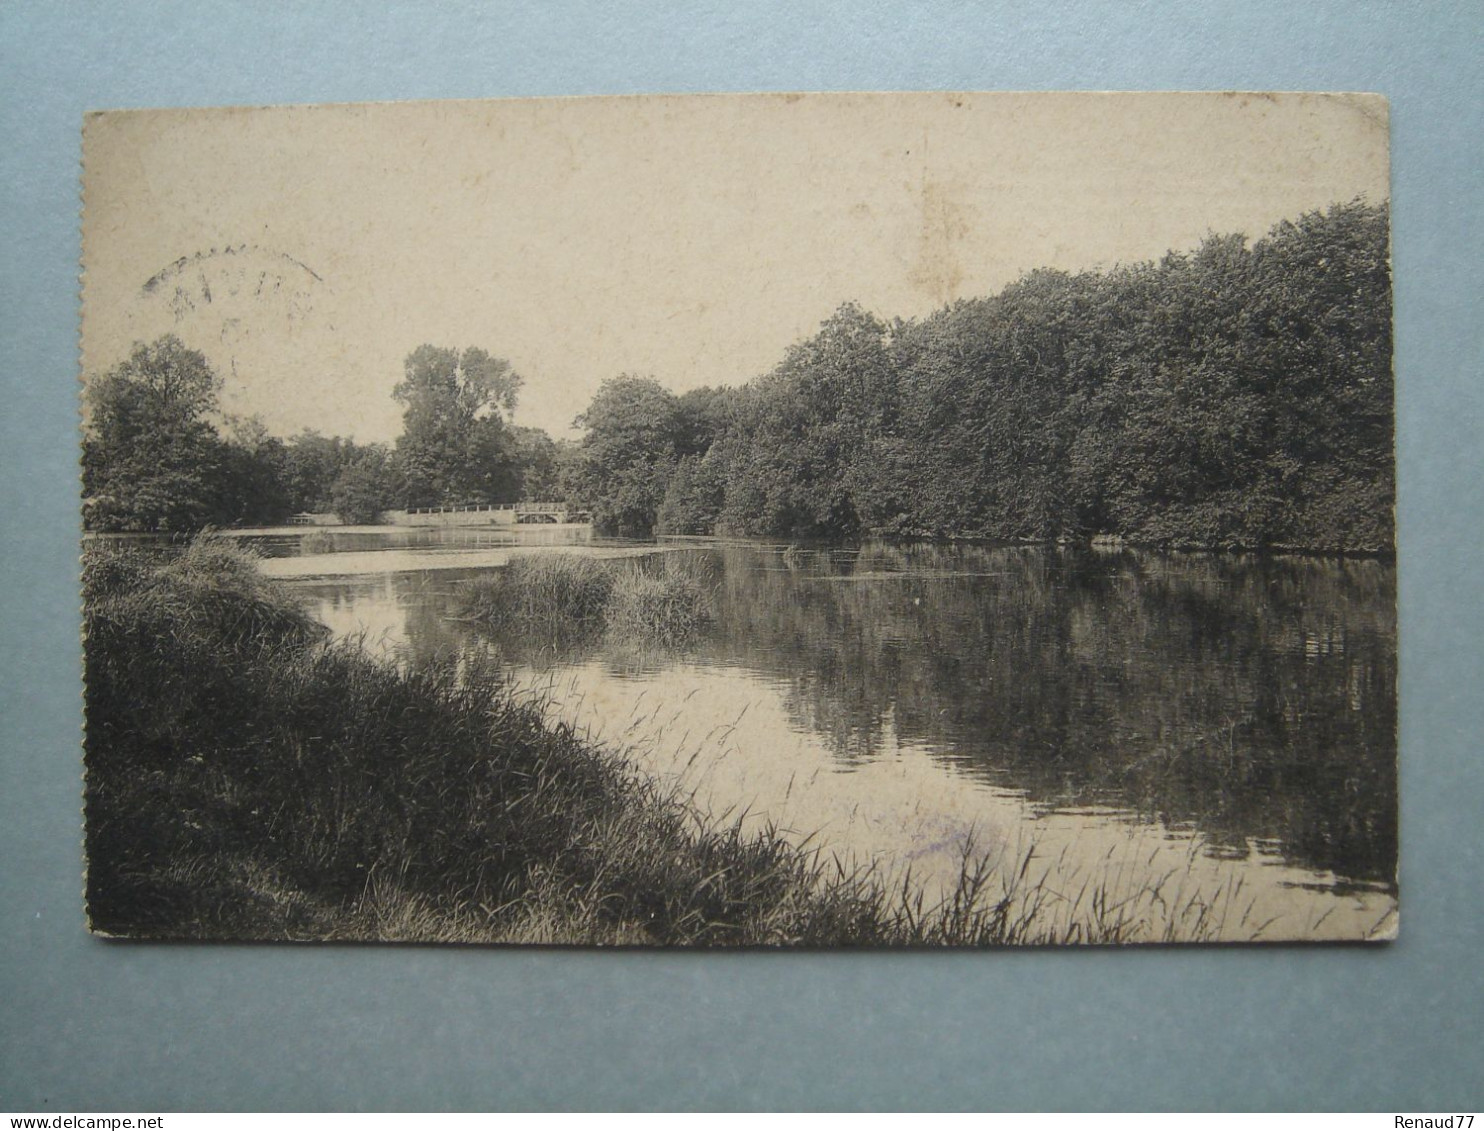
(247, 777)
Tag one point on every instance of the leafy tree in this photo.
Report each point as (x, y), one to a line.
(701, 417)
(365, 487)
(536, 457)
(628, 453)
(568, 471)
(312, 463)
(455, 446)
(161, 383)
(254, 486)
(695, 495)
(151, 461)
(491, 465)
(793, 470)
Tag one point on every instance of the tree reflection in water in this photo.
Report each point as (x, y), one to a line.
(1251, 698)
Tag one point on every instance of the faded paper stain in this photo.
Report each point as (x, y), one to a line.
(938, 272)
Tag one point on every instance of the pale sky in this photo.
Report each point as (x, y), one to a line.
(691, 238)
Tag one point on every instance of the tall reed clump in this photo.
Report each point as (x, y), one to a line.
(571, 595)
(249, 778)
(559, 592)
(664, 607)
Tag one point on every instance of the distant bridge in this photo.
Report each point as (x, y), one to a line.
(549, 512)
(490, 514)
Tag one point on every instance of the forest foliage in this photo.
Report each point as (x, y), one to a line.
(159, 455)
(1236, 395)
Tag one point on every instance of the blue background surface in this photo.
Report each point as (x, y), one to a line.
(92, 1025)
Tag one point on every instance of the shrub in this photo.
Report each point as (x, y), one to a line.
(317, 542)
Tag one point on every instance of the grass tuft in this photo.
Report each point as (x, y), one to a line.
(554, 593)
(667, 607)
(569, 596)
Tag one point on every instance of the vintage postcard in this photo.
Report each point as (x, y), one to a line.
(823, 520)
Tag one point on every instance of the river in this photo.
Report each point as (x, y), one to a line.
(1202, 746)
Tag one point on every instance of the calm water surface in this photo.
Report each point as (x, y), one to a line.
(1205, 742)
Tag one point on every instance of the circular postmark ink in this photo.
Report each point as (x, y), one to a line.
(241, 301)
(240, 286)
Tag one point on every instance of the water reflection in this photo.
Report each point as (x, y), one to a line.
(280, 542)
(1146, 711)
(1253, 696)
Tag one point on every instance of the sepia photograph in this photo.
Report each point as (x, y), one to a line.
(810, 520)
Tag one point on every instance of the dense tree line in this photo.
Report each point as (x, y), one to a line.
(158, 454)
(1237, 395)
